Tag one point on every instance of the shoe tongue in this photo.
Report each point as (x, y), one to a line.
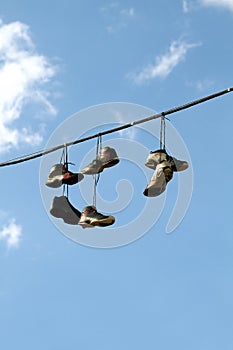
(104, 157)
(104, 153)
(90, 208)
(64, 168)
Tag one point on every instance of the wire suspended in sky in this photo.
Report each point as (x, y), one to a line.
(41, 153)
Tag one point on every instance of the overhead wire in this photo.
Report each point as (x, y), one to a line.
(116, 129)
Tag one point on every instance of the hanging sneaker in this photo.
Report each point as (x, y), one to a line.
(159, 156)
(162, 175)
(62, 208)
(90, 216)
(60, 175)
(106, 159)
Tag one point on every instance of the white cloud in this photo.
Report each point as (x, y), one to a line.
(11, 233)
(23, 72)
(130, 133)
(164, 64)
(228, 4)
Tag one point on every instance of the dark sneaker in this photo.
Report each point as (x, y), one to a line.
(90, 216)
(162, 175)
(62, 208)
(60, 175)
(159, 156)
(106, 159)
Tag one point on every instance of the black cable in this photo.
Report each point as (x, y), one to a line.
(137, 122)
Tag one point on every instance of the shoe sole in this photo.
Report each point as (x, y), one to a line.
(61, 215)
(85, 225)
(102, 223)
(153, 192)
(108, 164)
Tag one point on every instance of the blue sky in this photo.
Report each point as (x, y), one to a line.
(162, 291)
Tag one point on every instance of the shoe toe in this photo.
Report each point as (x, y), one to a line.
(72, 179)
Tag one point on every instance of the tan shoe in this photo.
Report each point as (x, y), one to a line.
(106, 159)
(162, 175)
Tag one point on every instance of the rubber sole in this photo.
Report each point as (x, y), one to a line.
(108, 164)
(101, 223)
(65, 217)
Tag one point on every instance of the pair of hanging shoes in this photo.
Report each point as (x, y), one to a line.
(61, 206)
(164, 166)
(160, 155)
(60, 175)
(89, 217)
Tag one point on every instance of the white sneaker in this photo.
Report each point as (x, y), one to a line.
(162, 175)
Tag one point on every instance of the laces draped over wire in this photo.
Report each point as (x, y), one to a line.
(64, 162)
(162, 132)
(96, 177)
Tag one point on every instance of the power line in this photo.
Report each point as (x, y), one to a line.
(119, 128)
